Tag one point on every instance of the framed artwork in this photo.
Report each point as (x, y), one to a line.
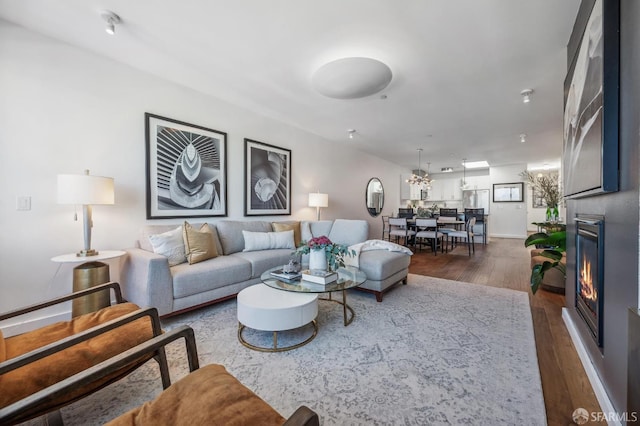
(508, 192)
(590, 151)
(537, 200)
(267, 179)
(186, 169)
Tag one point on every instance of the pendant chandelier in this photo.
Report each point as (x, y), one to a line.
(464, 185)
(423, 181)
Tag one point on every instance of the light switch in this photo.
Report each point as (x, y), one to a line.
(23, 203)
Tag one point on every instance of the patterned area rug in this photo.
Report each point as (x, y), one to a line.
(433, 352)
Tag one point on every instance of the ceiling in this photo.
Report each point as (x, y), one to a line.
(458, 66)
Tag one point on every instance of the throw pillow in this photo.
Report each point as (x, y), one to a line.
(280, 227)
(169, 244)
(268, 240)
(198, 243)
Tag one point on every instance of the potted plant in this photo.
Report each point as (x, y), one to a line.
(555, 245)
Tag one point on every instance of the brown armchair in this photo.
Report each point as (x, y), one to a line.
(208, 395)
(39, 359)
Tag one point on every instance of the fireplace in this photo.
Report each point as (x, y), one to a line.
(590, 272)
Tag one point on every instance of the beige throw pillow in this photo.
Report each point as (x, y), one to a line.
(280, 227)
(198, 243)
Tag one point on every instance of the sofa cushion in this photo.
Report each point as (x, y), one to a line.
(316, 228)
(381, 264)
(207, 396)
(208, 275)
(146, 231)
(286, 226)
(265, 259)
(349, 232)
(230, 233)
(169, 244)
(254, 241)
(198, 243)
(37, 375)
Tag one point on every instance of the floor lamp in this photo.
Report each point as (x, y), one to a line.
(317, 200)
(85, 190)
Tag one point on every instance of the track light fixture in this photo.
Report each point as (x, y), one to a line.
(351, 133)
(526, 95)
(112, 19)
(523, 137)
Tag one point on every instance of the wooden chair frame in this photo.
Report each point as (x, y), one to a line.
(303, 416)
(25, 409)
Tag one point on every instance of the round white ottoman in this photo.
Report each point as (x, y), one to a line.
(261, 307)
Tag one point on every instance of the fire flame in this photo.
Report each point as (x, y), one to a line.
(587, 290)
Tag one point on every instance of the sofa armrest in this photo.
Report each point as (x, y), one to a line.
(147, 281)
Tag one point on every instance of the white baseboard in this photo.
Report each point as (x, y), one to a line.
(31, 324)
(592, 374)
(508, 236)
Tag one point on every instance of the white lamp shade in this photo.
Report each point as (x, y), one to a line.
(317, 199)
(85, 189)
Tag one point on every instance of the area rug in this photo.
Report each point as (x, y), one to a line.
(433, 352)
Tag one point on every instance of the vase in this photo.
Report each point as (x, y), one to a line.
(318, 260)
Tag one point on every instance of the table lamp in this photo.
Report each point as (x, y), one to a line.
(317, 200)
(85, 190)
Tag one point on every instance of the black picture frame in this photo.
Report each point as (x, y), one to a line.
(591, 102)
(186, 169)
(508, 192)
(267, 179)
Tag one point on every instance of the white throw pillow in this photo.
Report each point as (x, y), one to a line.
(268, 240)
(171, 245)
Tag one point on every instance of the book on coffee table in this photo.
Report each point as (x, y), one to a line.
(289, 276)
(318, 276)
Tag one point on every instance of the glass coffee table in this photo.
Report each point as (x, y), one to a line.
(348, 277)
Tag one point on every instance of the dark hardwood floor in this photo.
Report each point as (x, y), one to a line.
(505, 263)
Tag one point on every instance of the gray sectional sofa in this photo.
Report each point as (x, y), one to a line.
(148, 280)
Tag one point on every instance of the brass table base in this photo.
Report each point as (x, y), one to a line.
(275, 347)
(345, 307)
(87, 275)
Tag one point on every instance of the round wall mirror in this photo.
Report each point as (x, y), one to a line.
(374, 197)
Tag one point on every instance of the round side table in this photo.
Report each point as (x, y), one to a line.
(90, 273)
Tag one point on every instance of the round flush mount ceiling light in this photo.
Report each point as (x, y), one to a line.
(351, 78)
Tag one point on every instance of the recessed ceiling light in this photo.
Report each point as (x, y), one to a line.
(526, 95)
(475, 164)
(112, 19)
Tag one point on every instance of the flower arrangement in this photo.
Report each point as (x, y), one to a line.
(335, 252)
(547, 185)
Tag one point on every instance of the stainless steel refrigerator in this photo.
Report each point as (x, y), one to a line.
(476, 199)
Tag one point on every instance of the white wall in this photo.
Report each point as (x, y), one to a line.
(63, 110)
(507, 220)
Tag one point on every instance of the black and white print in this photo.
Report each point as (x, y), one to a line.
(186, 169)
(267, 179)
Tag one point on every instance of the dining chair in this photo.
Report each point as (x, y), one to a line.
(466, 235)
(481, 224)
(447, 224)
(399, 228)
(405, 213)
(385, 228)
(444, 212)
(427, 229)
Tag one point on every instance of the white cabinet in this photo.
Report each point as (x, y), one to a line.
(445, 190)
